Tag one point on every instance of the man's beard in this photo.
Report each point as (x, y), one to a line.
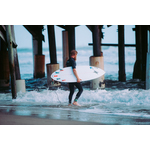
(75, 58)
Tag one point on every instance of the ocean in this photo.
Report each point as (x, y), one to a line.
(123, 103)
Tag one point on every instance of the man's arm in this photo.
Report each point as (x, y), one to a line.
(75, 73)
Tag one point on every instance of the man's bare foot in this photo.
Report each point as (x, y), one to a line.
(69, 105)
(75, 103)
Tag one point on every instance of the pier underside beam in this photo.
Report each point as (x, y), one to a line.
(35, 30)
(121, 53)
(89, 27)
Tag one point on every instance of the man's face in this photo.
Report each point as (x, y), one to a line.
(75, 57)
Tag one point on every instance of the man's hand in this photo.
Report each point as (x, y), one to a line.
(78, 80)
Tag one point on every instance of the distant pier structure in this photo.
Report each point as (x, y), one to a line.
(9, 64)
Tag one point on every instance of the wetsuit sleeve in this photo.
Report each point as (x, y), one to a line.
(73, 64)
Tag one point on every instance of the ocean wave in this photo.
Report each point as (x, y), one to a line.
(113, 101)
(126, 97)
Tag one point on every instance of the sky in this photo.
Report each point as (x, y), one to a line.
(82, 33)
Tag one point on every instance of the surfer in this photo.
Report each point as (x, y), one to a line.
(71, 62)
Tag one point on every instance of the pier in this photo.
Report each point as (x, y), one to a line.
(9, 64)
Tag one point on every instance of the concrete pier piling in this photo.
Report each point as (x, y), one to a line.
(4, 65)
(39, 66)
(96, 34)
(17, 68)
(53, 66)
(65, 47)
(38, 57)
(4, 69)
(71, 37)
(11, 61)
(20, 84)
(137, 73)
(50, 69)
(98, 83)
(141, 32)
(144, 50)
(148, 63)
(37, 39)
(97, 59)
(121, 53)
(52, 44)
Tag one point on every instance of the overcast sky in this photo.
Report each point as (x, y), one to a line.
(82, 33)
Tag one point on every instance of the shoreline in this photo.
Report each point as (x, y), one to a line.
(10, 119)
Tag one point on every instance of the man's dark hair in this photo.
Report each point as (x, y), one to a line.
(73, 52)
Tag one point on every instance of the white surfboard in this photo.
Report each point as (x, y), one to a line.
(85, 73)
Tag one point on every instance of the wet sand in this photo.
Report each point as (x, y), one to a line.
(7, 119)
(63, 115)
(67, 117)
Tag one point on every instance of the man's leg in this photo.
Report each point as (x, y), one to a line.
(79, 86)
(71, 88)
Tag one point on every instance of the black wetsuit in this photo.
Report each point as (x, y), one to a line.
(71, 63)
